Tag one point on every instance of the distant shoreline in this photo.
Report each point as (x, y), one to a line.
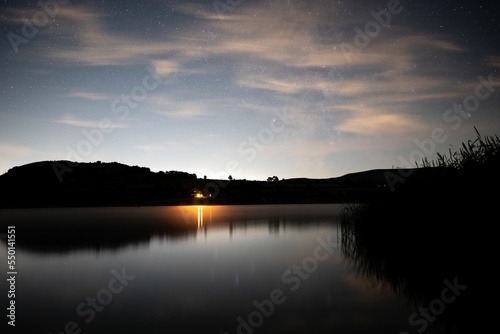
(37, 185)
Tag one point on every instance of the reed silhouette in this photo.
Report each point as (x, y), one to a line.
(435, 226)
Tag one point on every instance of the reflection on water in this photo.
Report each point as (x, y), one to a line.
(64, 230)
(200, 217)
(430, 267)
(210, 269)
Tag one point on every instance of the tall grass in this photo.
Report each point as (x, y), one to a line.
(436, 225)
(455, 187)
(478, 153)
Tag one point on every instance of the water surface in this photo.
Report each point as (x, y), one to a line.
(194, 269)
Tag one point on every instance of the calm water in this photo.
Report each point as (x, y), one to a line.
(213, 269)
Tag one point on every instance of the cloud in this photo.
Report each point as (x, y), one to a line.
(79, 36)
(71, 121)
(380, 124)
(16, 150)
(275, 84)
(92, 96)
(494, 61)
(164, 67)
(256, 33)
(290, 36)
(178, 109)
(277, 49)
(264, 34)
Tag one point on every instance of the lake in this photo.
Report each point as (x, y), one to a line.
(196, 269)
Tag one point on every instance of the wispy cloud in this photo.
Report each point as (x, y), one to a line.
(92, 96)
(494, 61)
(286, 43)
(381, 124)
(95, 44)
(15, 150)
(71, 121)
(164, 67)
(289, 36)
(176, 109)
(284, 38)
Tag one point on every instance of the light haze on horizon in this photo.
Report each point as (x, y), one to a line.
(312, 89)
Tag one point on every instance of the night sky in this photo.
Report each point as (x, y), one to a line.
(246, 88)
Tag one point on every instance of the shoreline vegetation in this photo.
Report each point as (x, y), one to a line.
(431, 229)
(459, 177)
(54, 184)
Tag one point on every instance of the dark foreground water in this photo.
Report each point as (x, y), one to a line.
(213, 269)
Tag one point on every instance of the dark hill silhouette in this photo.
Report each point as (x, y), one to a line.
(42, 184)
(70, 184)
